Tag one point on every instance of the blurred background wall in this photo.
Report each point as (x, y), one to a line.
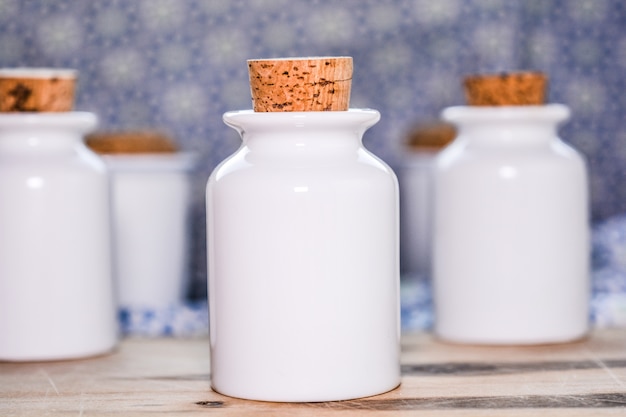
(177, 65)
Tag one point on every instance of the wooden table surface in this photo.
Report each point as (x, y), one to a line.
(171, 377)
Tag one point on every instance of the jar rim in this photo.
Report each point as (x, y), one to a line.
(56, 119)
(548, 112)
(38, 73)
(328, 119)
(165, 162)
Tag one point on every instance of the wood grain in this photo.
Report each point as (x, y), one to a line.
(171, 377)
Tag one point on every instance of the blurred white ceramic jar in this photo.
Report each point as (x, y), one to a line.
(56, 287)
(511, 262)
(151, 201)
(151, 187)
(415, 175)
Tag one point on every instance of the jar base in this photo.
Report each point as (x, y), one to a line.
(309, 398)
(87, 354)
(510, 342)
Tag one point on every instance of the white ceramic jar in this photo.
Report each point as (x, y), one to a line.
(416, 189)
(56, 292)
(303, 260)
(151, 203)
(511, 234)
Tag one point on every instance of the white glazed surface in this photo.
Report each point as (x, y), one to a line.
(511, 234)
(43, 73)
(151, 198)
(56, 291)
(303, 261)
(416, 200)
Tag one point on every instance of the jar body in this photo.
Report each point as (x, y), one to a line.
(151, 203)
(511, 237)
(416, 190)
(55, 268)
(303, 261)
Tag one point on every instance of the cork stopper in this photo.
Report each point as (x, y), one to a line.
(431, 136)
(506, 89)
(37, 90)
(140, 142)
(300, 84)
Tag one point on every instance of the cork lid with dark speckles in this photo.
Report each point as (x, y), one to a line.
(300, 84)
(506, 89)
(37, 90)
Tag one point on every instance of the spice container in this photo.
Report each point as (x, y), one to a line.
(416, 197)
(303, 244)
(511, 234)
(151, 188)
(56, 291)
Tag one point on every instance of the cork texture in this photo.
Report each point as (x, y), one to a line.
(130, 143)
(506, 89)
(431, 136)
(36, 94)
(300, 84)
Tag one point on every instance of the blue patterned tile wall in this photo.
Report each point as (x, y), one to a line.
(178, 65)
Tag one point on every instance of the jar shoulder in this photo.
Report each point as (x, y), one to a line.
(361, 163)
(81, 161)
(556, 153)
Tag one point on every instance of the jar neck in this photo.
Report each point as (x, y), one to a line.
(310, 141)
(513, 134)
(50, 132)
(305, 132)
(507, 126)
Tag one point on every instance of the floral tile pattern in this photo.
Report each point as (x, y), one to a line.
(178, 66)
